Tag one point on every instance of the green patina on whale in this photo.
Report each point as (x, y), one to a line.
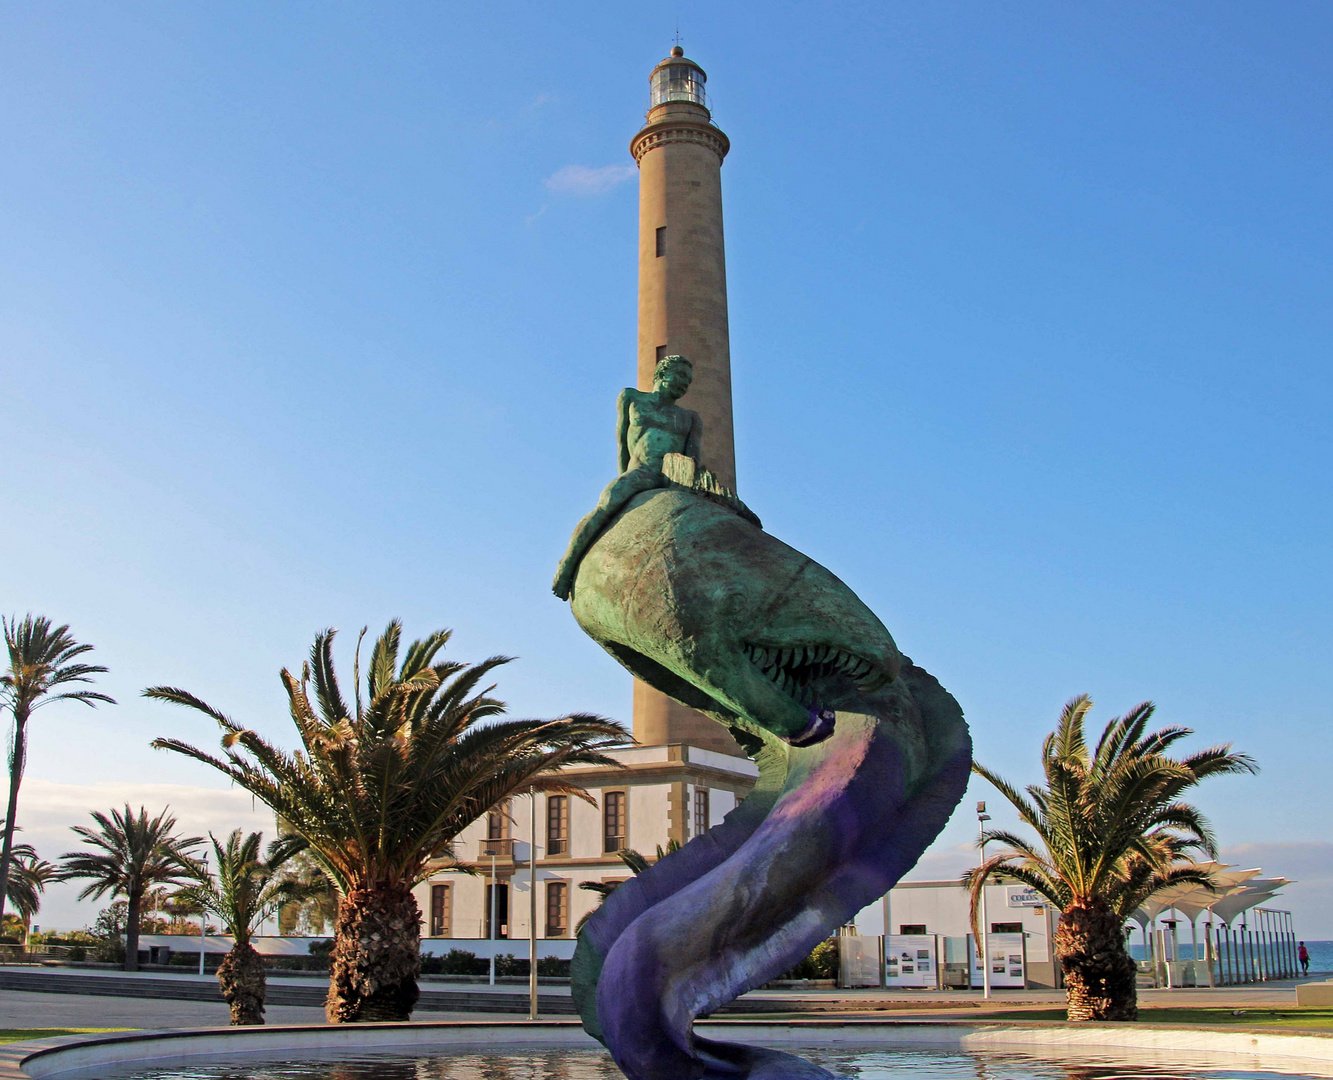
(862, 755)
(690, 595)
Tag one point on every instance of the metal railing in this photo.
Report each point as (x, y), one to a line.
(499, 848)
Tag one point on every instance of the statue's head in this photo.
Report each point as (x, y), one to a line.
(672, 376)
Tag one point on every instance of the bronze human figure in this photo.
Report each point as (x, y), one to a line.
(649, 425)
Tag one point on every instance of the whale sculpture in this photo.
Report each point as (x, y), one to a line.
(862, 758)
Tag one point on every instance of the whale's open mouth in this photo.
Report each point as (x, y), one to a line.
(797, 670)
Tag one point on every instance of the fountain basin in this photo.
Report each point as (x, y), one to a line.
(1238, 1052)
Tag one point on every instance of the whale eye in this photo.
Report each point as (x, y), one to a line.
(822, 723)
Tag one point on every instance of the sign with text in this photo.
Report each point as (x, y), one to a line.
(1022, 896)
(1008, 961)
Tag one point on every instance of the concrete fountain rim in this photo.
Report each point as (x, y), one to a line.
(1256, 1048)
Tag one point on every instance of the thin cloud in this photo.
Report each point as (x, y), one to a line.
(584, 180)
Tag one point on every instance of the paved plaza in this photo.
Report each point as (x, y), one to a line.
(29, 1009)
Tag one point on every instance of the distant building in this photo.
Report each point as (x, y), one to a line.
(933, 916)
(663, 793)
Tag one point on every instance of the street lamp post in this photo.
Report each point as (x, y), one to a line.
(203, 921)
(532, 911)
(494, 848)
(982, 818)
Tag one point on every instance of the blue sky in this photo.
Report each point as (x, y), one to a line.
(315, 314)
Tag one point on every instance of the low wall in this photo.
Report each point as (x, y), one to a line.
(268, 945)
(561, 948)
(1316, 994)
(75, 1055)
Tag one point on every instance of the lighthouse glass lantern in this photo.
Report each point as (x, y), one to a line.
(678, 79)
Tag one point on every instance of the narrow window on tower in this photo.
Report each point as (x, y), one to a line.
(701, 822)
(661, 241)
(661, 353)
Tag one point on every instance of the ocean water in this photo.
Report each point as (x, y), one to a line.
(577, 1064)
(1321, 952)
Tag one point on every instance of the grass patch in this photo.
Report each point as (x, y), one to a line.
(1313, 1019)
(9, 1035)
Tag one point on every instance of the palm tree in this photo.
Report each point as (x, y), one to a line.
(28, 879)
(381, 790)
(1111, 831)
(314, 898)
(40, 661)
(131, 855)
(246, 890)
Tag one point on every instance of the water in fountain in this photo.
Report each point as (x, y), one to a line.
(579, 1064)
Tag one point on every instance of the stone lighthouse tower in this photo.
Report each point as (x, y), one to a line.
(683, 308)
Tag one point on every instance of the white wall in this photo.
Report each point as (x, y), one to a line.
(648, 808)
(943, 908)
(559, 947)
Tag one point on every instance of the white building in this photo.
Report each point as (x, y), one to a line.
(662, 793)
(933, 917)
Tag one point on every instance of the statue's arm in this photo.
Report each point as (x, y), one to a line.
(622, 429)
(695, 439)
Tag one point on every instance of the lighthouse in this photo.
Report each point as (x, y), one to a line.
(683, 309)
(687, 773)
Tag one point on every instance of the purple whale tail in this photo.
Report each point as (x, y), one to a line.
(828, 829)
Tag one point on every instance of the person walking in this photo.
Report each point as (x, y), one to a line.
(1303, 955)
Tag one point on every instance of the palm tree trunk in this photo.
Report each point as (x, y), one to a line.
(133, 909)
(16, 761)
(376, 955)
(243, 980)
(1099, 974)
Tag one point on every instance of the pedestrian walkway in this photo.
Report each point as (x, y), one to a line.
(64, 997)
(308, 992)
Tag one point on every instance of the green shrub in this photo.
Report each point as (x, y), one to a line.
(461, 962)
(454, 962)
(553, 966)
(822, 963)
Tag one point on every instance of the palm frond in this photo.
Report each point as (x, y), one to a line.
(1110, 824)
(379, 795)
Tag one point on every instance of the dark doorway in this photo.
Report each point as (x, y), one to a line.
(501, 910)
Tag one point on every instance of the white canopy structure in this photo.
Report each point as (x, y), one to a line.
(1242, 956)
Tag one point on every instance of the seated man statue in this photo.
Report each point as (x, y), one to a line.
(649, 425)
